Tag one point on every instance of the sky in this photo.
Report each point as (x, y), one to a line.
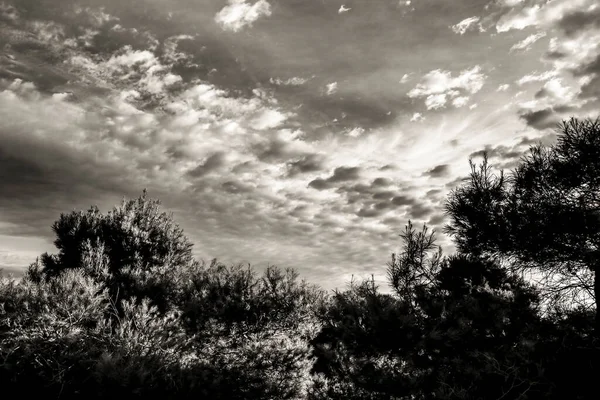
(296, 133)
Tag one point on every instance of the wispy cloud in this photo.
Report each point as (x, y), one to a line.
(465, 25)
(526, 43)
(343, 9)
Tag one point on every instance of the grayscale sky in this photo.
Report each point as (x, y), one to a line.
(300, 133)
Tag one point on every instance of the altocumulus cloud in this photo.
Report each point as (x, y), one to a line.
(437, 87)
(271, 149)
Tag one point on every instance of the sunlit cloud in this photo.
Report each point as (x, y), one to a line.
(239, 14)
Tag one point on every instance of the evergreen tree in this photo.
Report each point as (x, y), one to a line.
(543, 217)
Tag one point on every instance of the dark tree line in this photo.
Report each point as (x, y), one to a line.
(124, 309)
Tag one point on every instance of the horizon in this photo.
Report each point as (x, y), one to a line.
(295, 133)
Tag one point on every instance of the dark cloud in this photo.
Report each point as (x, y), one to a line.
(211, 164)
(308, 163)
(403, 201)
(340, 174)
(437, 219)
(540, 119)
(320, 184)
(343, 174)
(246, 166)
(579, 21)
(438, 171)
(384, 195)
(433, 192)
(236, 187)
(378, 182)
(276, 150)
(35, 190)
(554, 55)
(591, 90)
(420, 211)
(457, 182)
(502, 152)
(370, 212)
(393, 221)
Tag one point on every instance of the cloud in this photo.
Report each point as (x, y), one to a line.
(331, 88)
(460, 101)
(526, 43)
(8, 12)
(503, 88)
(308, 163)
(438, 171)
(580, 20)
(537, 77)
(546, 14)
(343, 9)
(239, 14)
(212, 163)
(540, 119)
(355, 132)
(501, 152)
(555, 90)
(435, 101)
(416, 117)
(465, 25)
(294, 81)
(340, 174)
(438, 86)
(519, 19)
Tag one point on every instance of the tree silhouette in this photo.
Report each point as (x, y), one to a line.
(124, 310)
(456, 327)
(544, 217)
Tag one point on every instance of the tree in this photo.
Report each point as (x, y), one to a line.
(251, 331)
(454, 327)
(544, 217)
(144, 250)
(123, 310)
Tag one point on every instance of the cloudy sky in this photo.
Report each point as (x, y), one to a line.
(301, 133)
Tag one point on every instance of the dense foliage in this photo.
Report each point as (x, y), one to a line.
(124, 309)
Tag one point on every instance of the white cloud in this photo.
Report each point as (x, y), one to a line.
(540, 15)
(355, 132)
(416, 117)
(460, 101)
(519, 19)
(331, 88)
(510, 3)
(438, 86)
(405, 78)
(503, 88)
(435, 101)
(294, 81)
(537, 77)
(466, 24)
(526, 43)
(556, 89)
(239, 14)
(343, 9)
